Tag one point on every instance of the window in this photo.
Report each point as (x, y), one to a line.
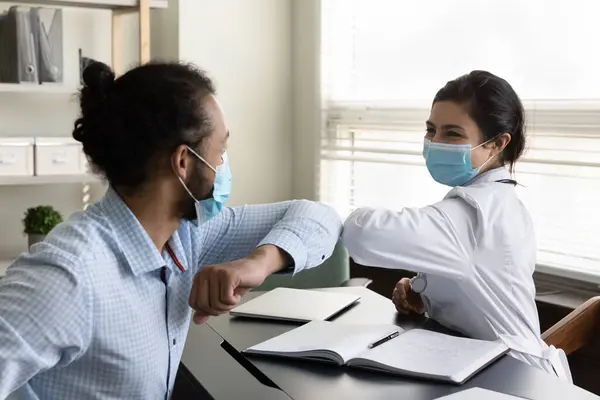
(384, 60)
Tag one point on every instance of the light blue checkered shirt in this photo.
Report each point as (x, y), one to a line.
(86, 315)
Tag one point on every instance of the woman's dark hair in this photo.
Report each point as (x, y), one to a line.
(494, 106)
(127, 123)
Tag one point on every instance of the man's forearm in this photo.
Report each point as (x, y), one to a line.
(272, 258)
(308, 232)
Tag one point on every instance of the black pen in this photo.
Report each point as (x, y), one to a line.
(385, 339)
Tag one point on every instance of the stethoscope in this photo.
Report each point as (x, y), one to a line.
(418, 283)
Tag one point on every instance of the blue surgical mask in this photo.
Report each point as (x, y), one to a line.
(450, 164)
(210, 208)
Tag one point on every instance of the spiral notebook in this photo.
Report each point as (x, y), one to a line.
(386, 348)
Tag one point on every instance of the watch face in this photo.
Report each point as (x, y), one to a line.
(418, 284)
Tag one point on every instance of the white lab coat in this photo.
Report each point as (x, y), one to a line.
(477, 250)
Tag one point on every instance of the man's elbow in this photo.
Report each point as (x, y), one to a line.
(325, 215)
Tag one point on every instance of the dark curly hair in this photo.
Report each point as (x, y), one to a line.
(126, 124)
(494, 106)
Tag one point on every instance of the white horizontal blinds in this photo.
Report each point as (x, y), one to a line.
(376, 159)
(560, 175)
(384, 60)
(379, 163)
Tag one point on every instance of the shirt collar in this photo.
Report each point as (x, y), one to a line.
(138, 249)
(492, 175)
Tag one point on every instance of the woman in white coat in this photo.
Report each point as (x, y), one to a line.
(474, 251)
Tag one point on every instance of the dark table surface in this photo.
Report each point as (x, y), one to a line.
(273, 378)
(218, 372)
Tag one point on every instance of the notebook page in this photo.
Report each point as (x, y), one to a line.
(346, 340)
(478, 394)
(430, 353)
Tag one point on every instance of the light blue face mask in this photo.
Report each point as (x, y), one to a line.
(210, 208)
(450, 164)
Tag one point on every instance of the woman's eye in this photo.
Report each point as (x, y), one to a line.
(453, 134)
(430, 131)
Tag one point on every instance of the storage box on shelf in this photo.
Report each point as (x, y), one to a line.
(16, 156)
(59, 156)
(42, 161)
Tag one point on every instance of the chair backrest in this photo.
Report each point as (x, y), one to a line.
(576, 329)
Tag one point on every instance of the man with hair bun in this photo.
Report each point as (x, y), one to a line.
(101, 308)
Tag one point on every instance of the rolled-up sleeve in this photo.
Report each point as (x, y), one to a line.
(307, 231)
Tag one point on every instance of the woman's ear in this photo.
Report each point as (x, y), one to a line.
(502, 141)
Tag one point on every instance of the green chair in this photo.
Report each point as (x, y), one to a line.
(334, 272)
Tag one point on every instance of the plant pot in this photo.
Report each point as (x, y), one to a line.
(33, 239)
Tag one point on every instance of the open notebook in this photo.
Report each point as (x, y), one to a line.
(417, 353)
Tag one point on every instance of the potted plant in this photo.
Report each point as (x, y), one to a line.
(39, 221)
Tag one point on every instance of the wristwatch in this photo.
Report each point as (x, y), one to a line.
(418, 284)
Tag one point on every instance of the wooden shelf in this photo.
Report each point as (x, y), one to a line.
(48, 180)
(106, 4)
(36, 88)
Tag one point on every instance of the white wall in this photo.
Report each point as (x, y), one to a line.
(306, 33)
(245, 46)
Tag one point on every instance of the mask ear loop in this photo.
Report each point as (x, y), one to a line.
(508, 181)
(201, 159)
(488, 141)
(186, 188)
(181, 180)
(483, 144)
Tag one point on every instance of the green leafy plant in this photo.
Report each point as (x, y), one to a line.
(40, 220)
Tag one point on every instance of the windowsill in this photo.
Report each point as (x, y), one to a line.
(581, 276)
(563, 291)
(566, 299)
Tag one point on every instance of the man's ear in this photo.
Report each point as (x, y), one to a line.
(180, 162)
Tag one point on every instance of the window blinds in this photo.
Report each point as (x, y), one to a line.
(383, 61)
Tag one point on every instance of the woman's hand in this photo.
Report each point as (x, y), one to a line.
(405, 300)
